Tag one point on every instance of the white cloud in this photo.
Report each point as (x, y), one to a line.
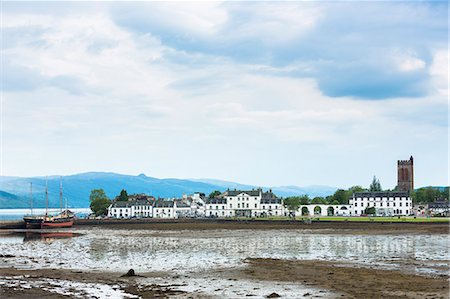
(118, 100)
(407, 61)
(439, 71)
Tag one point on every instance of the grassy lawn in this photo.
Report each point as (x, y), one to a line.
(357, 219)
(383, 219)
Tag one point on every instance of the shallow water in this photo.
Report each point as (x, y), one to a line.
(187, 251)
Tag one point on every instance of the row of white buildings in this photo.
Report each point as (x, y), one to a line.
(259, 203)
(149, 209)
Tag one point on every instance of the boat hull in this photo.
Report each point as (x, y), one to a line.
(33, 222)
(51, 224)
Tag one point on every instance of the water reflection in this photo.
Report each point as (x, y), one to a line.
(21, 236)
(48, 236)
(146, 250)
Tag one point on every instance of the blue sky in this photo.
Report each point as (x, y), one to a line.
(264, 93)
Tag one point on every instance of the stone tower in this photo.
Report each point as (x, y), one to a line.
(405, 174)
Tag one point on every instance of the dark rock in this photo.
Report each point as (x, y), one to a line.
(7, 255)
(307, 294)
(273, 295)
(130, 273)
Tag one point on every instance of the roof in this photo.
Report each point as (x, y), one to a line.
(237, 192)
(271, 200)
(163, 204)
(381, 194)
(183, 205)
(216, 201)
(127, 204)
(268, 195)
(438, 205)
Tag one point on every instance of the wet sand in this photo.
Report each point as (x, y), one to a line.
(127, 286)
(336, 279)
(343, 227)
(347, 280)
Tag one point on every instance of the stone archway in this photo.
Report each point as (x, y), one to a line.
(305, 211)
(317, 210)
(330, 211)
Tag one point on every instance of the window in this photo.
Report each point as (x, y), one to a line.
(223, 207)
(247, 205)
(356, 204)
(217, 207)
(264, 207)
(400, 204)
(231, 206)
(256, 205)
(239, 205)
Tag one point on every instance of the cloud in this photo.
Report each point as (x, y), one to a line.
(262, 91)
(328, 39)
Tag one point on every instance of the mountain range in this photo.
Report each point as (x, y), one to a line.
(15, 191)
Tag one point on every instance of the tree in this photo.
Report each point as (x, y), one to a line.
(428, 194)
(214, 194)
(318, 200)
(292, 204)
(370, 211)
(123, 196)
(354, 189)
(99, 202)
(375, 186)
(304, 199)
(341, 196)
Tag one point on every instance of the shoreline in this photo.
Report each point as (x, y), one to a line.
(258, 224)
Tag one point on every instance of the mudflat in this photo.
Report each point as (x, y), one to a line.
(335, 278)
(347, 280)
(342, 227)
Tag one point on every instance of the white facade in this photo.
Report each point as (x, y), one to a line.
(164, 209)
(385, 203)
(129, 209)
(324, 210)
(253, 203)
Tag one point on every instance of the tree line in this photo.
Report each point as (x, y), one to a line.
(99, 201)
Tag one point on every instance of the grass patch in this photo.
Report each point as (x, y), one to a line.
(355, 219)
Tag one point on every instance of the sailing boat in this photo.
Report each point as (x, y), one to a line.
(33, 221)
(63, 219)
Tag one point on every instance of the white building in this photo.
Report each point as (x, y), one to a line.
(164, 209)
(252, 203)
(386, 203)
(129, 209)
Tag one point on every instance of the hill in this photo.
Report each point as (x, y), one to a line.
(76, 188)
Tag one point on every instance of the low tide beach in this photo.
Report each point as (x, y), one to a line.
(213, 259)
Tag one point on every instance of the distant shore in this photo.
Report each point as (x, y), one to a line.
(209, 224)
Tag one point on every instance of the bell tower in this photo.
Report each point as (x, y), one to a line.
(405, 174)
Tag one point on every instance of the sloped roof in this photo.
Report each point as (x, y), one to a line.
(237, 192)
(216, 201)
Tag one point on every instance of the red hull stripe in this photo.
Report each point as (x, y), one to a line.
(56, 224)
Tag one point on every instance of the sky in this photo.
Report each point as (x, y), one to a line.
(262, 93)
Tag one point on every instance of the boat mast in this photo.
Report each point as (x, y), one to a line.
(60, 194)
(31, 198)
(46, 196)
